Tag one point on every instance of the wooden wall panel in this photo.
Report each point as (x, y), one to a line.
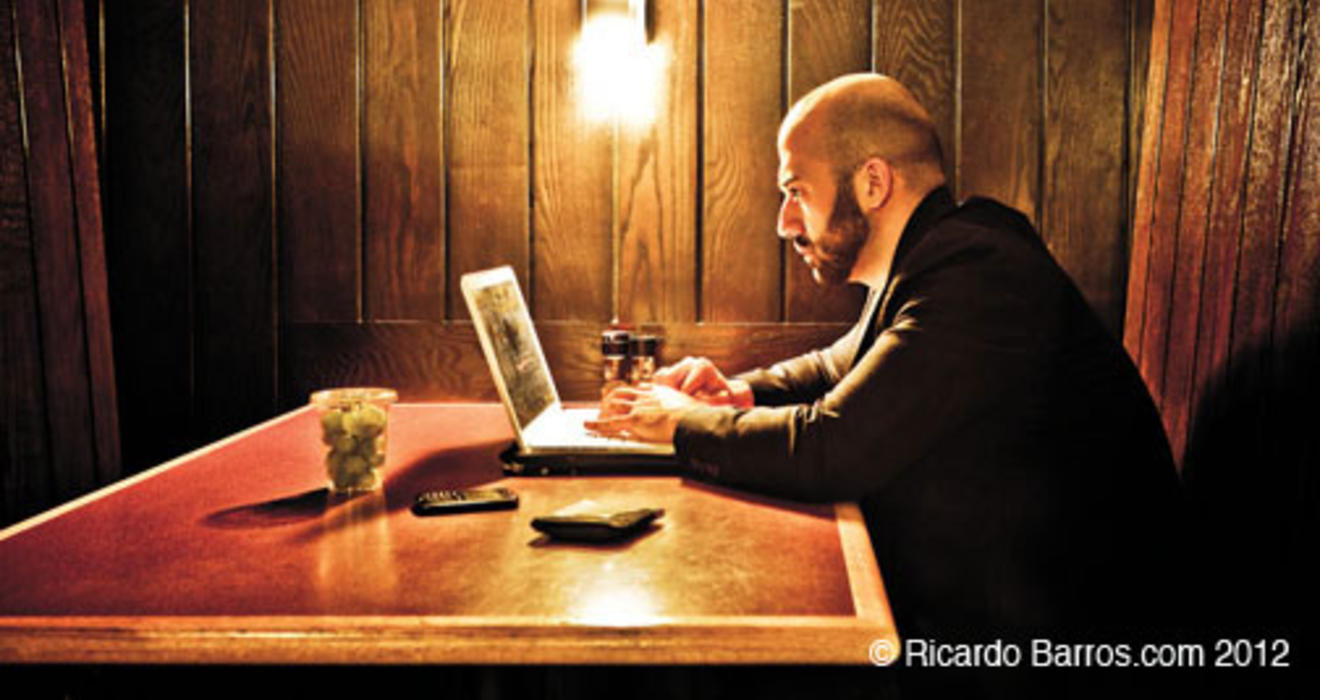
(443, 361)
(573, 174)
(1227, 200)
(1225, 316)
(353, 166)
(917, 43)
(403, 126)
(1190, 244)
(826, 39)
(1083, 207)
(232, 188)
(317, 160)
(148, 247)
(657, 195)
(52, 214)
(487, 131)
(1156, 251)
(60, 430)
(741, 256)
(24, 478)
(999, 150)
(84, 177)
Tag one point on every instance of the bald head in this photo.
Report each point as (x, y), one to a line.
(856, 117)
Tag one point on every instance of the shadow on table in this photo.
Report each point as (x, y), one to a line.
(288, 510)
(455, 468)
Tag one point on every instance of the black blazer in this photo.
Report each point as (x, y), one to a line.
(1012, 468)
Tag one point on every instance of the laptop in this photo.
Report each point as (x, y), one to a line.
(547, 433)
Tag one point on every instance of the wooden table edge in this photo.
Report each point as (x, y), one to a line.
(823, 640)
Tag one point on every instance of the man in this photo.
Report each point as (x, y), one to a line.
(1011, 466)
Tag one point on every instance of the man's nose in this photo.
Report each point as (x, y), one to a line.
(790, 224)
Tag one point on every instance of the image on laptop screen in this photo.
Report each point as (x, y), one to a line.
(509, 327)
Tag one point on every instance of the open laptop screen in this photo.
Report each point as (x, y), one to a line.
(497, 305)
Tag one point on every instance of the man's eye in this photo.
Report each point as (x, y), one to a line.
(794, 194)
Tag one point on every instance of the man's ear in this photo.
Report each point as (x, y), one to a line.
(873, 183)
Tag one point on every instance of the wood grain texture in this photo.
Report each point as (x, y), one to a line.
(443, 361)
(148, 246)
(1254, 326)
(1190, 231)
(741, 257)
(318, 160)
(1167, 196)
(1227, 201)
(232, 196)
(403, 160)
(1152, 140)
(1297, 300)
(25, 459)
(1295, 365)
(1001, 115)
(657, 191)
(487, 133)
(1140, 18)
(916, 42)
(827, 38)
(53, 221)
(85, 179)
(1083, 211)
(573, 180)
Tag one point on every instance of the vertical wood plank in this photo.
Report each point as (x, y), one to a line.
(487, 131)
(657, 189)
(1168, 196)
(24, 478)
(404, 165)
(1001, 102)
(1258, 256)
(572, 247)
(1140, 19)
(827, 38)
(1152, 141)
(1191, 228)
(232, 214)
(148, 247)
(55, 250)
(1227, 201)
(1296, 361)
(916, 42)
(86, 182)
(318, 160)
(741, 256)
(1084, 212)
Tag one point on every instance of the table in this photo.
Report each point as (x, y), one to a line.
(236, 553)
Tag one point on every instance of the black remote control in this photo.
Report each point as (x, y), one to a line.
(463, 500)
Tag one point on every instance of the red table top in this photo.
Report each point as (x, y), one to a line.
(246, 528)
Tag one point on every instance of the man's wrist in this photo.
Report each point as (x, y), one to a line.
(741, 393)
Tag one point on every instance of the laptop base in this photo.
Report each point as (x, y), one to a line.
(519, 463)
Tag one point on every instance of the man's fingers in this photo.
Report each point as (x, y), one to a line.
(675, 374)
(703, 379)
(609, 426)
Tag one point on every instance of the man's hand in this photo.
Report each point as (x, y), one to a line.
(649, 413)
(699, 378)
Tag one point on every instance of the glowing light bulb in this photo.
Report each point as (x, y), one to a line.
(620, 76)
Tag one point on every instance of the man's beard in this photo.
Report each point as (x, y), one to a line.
(845, 234)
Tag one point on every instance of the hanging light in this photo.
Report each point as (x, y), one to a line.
(620, 72)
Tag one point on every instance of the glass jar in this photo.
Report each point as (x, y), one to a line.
(354, 427)
(613, 359)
